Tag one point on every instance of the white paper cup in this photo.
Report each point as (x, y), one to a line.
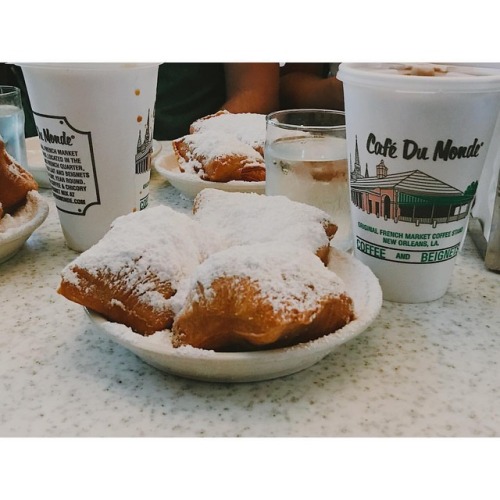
(417, 139)
(95, 124)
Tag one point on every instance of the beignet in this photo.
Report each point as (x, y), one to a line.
(219, 157)
(247, 218)
(260, 297)
(135, 274)
(15, 181)
(249, 128)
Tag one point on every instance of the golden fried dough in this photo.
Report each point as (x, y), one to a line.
(260, 297)
(15, 181)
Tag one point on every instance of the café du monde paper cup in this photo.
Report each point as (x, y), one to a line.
(95, 125)
(417, 139)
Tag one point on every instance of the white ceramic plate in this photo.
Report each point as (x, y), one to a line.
(157, 147)
(14, 237)
(190, 184)
(36, 163)
(200, 364)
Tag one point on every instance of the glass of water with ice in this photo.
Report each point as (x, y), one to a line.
(12, 123)
(306, 160)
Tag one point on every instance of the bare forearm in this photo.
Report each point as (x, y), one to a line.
(250, 102)
(252, 87)
(303, 90)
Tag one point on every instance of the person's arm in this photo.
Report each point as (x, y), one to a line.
(252, 87)
(304, 86)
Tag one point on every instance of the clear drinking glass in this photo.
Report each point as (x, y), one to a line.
(306, 161)
(12, 123)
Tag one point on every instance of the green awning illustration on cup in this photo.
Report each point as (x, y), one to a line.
(412, 196)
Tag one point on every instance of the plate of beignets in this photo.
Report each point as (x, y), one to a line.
(255, 365)
(22, 209)
(190, 183)
(243, 295)
(223, 151)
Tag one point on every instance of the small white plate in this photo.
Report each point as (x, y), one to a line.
(190, 184)
(157, 147)
(14, 237)
(36, 164)
(200, 364)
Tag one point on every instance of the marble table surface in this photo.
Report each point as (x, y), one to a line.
(420, 370)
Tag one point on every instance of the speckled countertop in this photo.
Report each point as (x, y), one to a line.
(420, 369)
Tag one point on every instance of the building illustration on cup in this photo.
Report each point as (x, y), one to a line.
(144, 150)
(411, 196)
(143, 159)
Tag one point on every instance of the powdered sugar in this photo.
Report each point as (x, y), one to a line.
(249, 128)
(158, 342)
(10, 223)
(288, 276)
(13, 168)
(247, 218)
(212, 145)
(157, 242)
(117, 303)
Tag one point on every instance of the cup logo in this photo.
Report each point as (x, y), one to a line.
(69, 159)
(401, 212)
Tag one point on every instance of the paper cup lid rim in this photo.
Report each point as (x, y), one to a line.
(477, 79)
(88, 66)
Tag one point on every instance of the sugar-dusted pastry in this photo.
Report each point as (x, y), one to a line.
(259, 297)
(247, 218)
(15, 181)
(135, 274)
(219, 157)
(249, 128)
(23, 213)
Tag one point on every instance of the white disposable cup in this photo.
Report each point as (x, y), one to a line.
(95, 124)
(416, 147)
(306, 161)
